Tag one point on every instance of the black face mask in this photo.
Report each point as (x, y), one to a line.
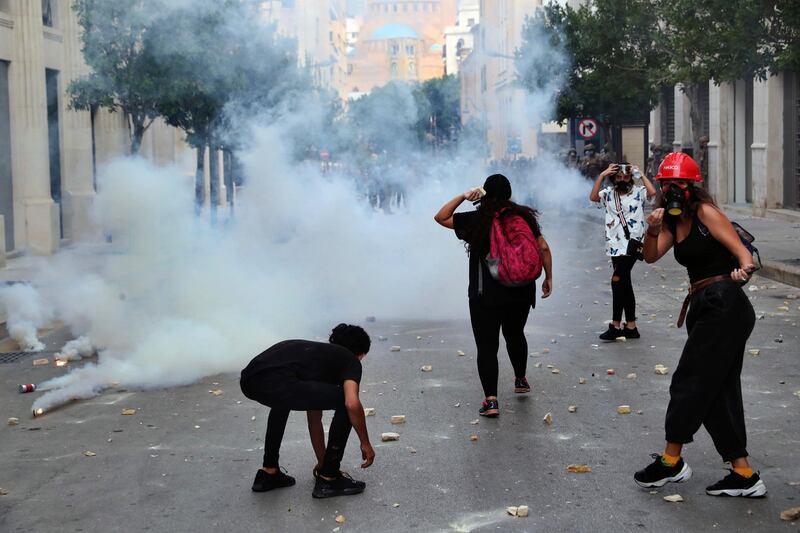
(675, 200)
(623, 186)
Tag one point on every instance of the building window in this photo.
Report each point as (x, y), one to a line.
(410, 49)
(394, 70)
(395, 48)
(349, 69)
(470, 23)
(405, 7)
(47, 13)
(412, 69)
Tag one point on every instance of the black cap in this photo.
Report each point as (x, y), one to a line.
(497, 187)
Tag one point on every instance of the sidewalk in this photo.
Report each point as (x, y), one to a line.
(777, 239)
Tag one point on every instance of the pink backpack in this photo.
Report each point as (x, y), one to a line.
(514, 259)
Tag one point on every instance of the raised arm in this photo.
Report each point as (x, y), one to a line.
(445, 215)
(651, 189)
(659, 239)
(594, 196)
(355, 411)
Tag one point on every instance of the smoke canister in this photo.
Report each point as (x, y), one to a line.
(28, 387)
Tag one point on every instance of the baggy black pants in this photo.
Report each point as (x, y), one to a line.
(282, 392)
(487, 321)
(706, 387)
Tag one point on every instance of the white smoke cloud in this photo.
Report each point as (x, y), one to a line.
(26, 312)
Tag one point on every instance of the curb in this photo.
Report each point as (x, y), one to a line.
(782, 272)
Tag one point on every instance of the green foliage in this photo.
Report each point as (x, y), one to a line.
(438, 103)
(123, 76)
(610, 57)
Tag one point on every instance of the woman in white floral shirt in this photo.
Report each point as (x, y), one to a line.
(623, 202)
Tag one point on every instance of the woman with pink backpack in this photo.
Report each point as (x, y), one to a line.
(507, 253)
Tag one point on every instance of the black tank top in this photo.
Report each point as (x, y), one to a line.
(702, 254)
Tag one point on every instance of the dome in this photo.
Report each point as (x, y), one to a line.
(436, 47)
(394, 31)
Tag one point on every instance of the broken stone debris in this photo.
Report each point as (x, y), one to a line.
(369, 411)
(661, 370)
(579, 469)
(128, 412)
(555, 371)
(426, 368)
(382, 338)
(546, 350)
(461, 352)
(624, 409)
(754, 352)
(572, 408)
(394, 349)
(611, 371)
(538, 365)
(216, 392)
(475, 422)
(520, 511)
(632, 375)
(674, 498)
(791, 514)
(398, 419)
(390, 436)
(40, 362)
(581, 381)
(89, 454)
(13, 421)
(473, 438)
(548, 418)
(340, 519)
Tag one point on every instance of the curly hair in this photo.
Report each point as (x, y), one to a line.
(354, 338)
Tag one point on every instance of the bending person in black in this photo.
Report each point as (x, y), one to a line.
(300, 375)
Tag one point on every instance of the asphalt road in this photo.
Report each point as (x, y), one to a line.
(185, 460)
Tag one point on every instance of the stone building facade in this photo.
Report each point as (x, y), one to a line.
(399, 40)
(753, 130)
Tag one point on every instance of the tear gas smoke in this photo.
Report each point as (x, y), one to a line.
(173, 299)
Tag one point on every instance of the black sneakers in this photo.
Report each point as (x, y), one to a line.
(521, 385)
(630, 333)
(736, 485)
(265, 482)
(489, 408)
(343, 485)
(612, 333)
(657, 474)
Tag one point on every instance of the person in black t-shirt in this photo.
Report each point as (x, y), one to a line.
(301, 375)
(493, 306)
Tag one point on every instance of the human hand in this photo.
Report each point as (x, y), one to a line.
(743, 273)
(472, 195)
(610, 171)
(654, 220)
(547, 287)
(368, 454)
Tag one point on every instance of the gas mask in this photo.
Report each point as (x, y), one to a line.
(623, 186)
(675, 198)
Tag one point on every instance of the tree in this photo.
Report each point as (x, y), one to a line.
(123, 76)
(438, 110)
(384, 119)
(609, 59)
(221, 68)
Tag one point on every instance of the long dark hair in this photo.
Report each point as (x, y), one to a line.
(478, 240)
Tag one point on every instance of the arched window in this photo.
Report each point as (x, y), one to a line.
(412, 69)
(394, 70)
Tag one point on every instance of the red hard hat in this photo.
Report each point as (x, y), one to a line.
(679, 166)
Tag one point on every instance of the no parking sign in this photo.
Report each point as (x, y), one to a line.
(588, 128)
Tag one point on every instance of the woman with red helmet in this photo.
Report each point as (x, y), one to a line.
(706, 386)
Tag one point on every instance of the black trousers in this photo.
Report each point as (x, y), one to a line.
(487, 321)
(282, 392)
(706, 387)
(622, 288)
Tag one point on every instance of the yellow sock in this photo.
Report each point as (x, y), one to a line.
(670, 460)
(743, 471)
